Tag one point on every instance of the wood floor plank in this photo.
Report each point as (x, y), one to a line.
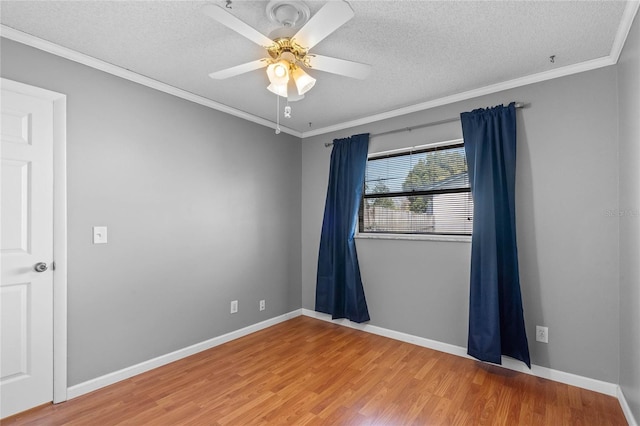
(309, 372)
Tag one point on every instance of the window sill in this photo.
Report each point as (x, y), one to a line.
(416, 237)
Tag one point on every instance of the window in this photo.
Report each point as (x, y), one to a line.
(419, 191)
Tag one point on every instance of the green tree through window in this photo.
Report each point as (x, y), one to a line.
(436, 167)
(381, 188)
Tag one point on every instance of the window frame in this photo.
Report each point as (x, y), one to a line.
(431, 147)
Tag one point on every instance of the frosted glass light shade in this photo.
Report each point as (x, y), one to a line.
(278, 73)
(278, 89)
(292, 92)
(304, 82)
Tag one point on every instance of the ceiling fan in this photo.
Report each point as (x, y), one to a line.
(288, 54)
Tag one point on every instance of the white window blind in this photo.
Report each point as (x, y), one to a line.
(424, 191)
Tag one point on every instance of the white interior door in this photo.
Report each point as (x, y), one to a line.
(26, 295)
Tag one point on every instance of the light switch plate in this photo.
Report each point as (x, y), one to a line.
(99, 235)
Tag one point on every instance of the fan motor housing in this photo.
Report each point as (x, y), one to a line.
(287, 45)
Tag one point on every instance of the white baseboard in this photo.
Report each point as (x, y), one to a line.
(125, 373)
(625, 408)
(538, 371)
(606, 388)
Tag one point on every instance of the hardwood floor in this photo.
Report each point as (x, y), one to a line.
(309, 372)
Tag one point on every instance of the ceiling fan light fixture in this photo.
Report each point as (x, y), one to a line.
(292, 92)
(278, 89)
(278, 73)
(286, 57)
(304, 82)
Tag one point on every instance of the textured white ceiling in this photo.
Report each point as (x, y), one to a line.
(419, 50)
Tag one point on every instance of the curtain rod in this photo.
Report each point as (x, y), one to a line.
(420, 126)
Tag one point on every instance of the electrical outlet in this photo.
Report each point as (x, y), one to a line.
(262, 305)
(234, 306)
(542, 334)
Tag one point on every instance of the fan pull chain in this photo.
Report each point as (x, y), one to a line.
(277, 114)
(287, 110)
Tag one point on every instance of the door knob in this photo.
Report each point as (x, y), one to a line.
(40, 267)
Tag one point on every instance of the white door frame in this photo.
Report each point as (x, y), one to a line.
(59, 229)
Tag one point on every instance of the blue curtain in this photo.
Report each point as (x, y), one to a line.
(339, 289)
(496, 321)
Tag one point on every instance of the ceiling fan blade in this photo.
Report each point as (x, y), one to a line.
(239, 69)
(328, 19)
(227, 19)
(339, 66)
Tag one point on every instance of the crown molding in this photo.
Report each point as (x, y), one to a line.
(631, 9)
(463, 96)
(90, 61)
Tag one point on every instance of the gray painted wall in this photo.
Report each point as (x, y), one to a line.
(202, 208)
(568, 247)
(629, 118)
